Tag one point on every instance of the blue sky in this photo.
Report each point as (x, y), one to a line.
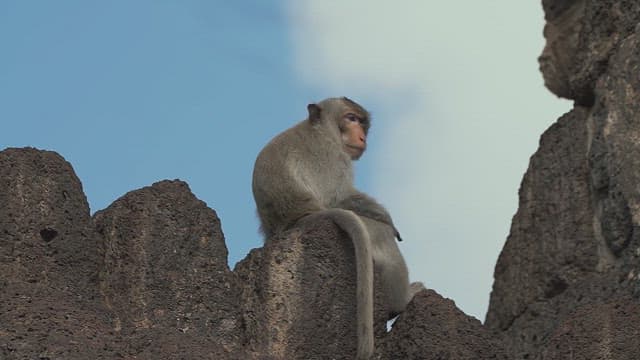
(133, 92)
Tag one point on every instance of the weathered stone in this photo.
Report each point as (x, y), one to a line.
(552, 243)
(597, 331)
(615, 153)
(49, 306)
(299, 295)
(574, 242)
(45, 226)
(151, 282)
(581, 36)
(164, 266)
(433, 328)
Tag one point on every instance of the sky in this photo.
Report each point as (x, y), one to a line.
(134, 92)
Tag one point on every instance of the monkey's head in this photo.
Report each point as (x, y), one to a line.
(349, 119)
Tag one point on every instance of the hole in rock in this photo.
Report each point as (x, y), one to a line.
(48, 234)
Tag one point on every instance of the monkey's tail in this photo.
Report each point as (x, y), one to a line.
(355, 228)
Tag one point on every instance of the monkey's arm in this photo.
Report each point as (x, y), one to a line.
(364, 205)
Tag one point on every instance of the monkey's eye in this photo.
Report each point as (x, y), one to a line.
(353, 117)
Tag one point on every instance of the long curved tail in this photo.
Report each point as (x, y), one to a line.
(357, 231)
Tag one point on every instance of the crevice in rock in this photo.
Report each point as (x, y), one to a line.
(48, 234)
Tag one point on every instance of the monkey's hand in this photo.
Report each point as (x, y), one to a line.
(366, 206)
(397, 233)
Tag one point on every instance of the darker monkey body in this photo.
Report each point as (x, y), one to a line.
(307, 171)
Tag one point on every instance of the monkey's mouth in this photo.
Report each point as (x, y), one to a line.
(354, 151)
(356, 148)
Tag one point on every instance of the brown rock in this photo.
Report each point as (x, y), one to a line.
(165, 268)
(433, 327)
(552, 243)
(574, 242)
(49, 306)
(152, 282)
(45, 226)
(581, 37)
(597, 331)
(299, 294)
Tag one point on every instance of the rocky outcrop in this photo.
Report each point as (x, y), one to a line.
(148, 278)
(298, 295)
(582, 37)
(45, 222)
(601, 330)
(164, 275)
(49, 299)
(574, 245)
(434, 328)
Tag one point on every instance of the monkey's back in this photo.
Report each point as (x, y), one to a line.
(298, 172)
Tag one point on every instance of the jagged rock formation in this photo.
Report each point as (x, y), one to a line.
(163, 273)
(298, 295)
(48, 262)
(434, 328)
(566, 283)
(147, 278)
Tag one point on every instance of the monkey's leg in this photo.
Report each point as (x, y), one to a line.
(366, 206)
(389, 265)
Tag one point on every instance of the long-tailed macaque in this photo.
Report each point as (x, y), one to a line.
(307, 170)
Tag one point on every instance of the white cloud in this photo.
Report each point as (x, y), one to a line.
(459, 107)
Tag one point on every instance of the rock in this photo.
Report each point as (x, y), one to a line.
(151, 281)
(299, 303)
(299, 293)
(574, 242)
(597, 331)
(49, 306)
(433, 327)
(165, 268)
(45, 226)
(582, 35)
(552, 243)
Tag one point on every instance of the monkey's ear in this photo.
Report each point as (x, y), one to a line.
(314, 113)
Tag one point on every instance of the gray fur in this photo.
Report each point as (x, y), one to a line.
(387, 259)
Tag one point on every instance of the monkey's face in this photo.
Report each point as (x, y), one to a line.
(354, 134)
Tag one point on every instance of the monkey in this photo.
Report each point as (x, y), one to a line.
(307, 171)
